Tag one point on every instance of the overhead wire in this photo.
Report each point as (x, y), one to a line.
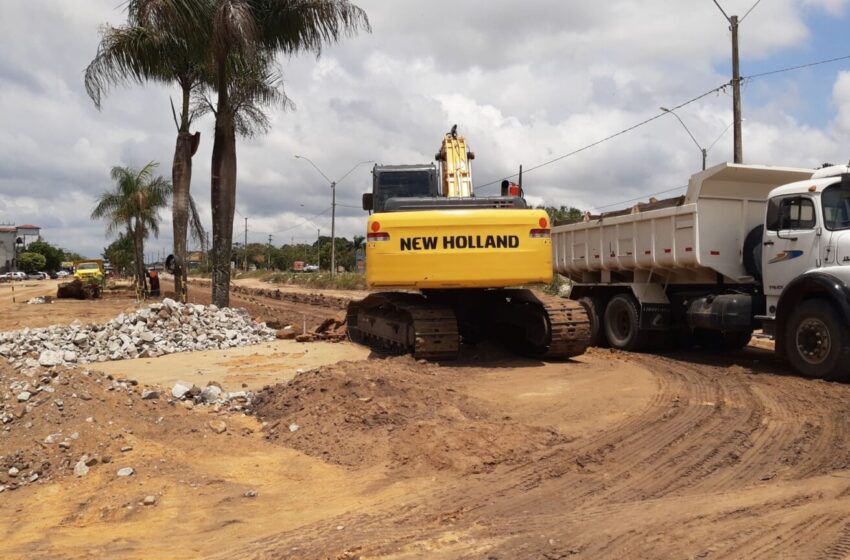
(798, 67)
(607, 138)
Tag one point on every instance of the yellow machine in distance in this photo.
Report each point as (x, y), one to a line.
(463, 253)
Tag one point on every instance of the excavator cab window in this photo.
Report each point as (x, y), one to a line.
(402, 184)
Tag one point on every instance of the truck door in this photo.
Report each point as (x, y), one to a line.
(790, 243)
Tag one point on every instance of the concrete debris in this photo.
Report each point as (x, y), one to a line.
(293, 427)
(81, 469)
(149, 500)
(150, 394)
(126, 471)
(181, 389)
(161, 328)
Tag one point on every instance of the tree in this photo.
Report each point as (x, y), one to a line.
(134, 206)
(53, 256)
(120, 254)
(31, 262)
(559, 214)
(243, 30)
(150, 47)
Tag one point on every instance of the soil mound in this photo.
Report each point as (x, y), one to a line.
(395, 412)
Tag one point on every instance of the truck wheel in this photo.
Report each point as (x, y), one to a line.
(594, 308)
(622, 324)
(815, 340)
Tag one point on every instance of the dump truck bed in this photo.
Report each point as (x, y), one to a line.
(692, 239)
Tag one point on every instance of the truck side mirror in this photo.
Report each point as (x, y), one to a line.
(367, 201)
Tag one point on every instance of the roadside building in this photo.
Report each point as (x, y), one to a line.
(14, 239)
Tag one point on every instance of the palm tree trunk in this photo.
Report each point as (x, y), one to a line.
(181, 178)
(139, 250)
(223, 194)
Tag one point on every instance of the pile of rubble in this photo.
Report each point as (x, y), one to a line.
(161, 328)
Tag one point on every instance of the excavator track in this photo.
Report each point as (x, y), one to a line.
(402, 323)
(522, 321)
(569, 326)
(537, 325)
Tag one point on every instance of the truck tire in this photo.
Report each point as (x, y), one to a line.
(621, 324)
(752, 252)
(595, 309)
(815, 340)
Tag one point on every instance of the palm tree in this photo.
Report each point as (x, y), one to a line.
(150, 47)
(245, 30)
(134, 206)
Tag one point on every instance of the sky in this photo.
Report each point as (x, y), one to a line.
(525, 82)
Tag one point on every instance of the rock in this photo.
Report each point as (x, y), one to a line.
(126, 448)
(69, 356)
(149, 500)
(81, 469)
(147, 336)
(13, 472)
(181, 388)
(150, 394)
(24, 396)
(294, 427)
(250, 494)
(126, 471)
(218, 426)
(49, 358)
(210, 394)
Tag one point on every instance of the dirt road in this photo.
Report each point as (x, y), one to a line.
(607, 456)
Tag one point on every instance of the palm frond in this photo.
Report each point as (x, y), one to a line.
(293, 26)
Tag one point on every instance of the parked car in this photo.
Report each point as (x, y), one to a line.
(311, 268)
(63, 274)
(18, 275)
(37, 276)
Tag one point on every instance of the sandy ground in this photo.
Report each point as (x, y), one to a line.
(610, 455)
(236, 368)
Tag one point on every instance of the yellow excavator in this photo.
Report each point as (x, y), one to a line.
(458, 259)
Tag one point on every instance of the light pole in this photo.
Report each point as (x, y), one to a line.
(701, 149)
(333, 203)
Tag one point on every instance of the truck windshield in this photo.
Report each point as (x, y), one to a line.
(836, 207)
(88, 266)
(402, 184)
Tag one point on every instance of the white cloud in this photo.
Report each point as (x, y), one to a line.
(525, 83)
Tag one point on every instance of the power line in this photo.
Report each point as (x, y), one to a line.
(607, 138)
(798, 67)
(753, 7)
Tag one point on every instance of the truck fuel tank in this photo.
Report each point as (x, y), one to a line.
(725, 312)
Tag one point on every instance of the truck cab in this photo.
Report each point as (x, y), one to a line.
(805, 266)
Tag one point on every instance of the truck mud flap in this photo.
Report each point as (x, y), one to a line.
(655, 316)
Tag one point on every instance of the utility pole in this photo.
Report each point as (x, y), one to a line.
(319, 248)
(269, 261)
(736, 79)
(736, 90)
(333, 203)
(245, 247)
(333, 228)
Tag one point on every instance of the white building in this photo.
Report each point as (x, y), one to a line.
(12, 237)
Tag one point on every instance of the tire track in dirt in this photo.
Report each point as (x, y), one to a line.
(721, 462)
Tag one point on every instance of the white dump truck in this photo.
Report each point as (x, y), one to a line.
(747, 247)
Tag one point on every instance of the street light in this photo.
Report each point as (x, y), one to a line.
(701, 149)
(333, 203)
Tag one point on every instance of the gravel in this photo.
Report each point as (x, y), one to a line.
(161, 328)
